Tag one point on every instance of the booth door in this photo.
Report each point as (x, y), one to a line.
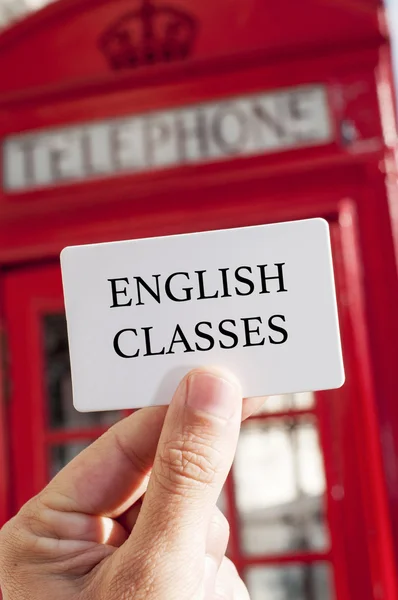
(299, 529)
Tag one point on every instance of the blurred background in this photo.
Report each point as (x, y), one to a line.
(135, 118)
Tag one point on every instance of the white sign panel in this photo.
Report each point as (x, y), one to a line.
(257, 300)
(250, 125)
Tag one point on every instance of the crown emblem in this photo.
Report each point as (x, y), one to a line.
(149, 35)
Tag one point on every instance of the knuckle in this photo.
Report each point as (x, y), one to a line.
(4, 546)
(228, 572)
(222, 595)
(220, 525)
(19, 538)
(11, 540)
(230, 568)
(138, 463)
(30, 523)
(220, 520)
(228, 582)
(192, 459)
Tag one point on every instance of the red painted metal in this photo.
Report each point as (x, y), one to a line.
(352, 452)
(361, 353)
(61, 436)
(283, 414)
(4, 455)
(53, 37)
(234, 545)
(28, 417)
(283, 559)
(341, 44)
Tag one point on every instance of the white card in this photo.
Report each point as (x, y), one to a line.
(257, 300)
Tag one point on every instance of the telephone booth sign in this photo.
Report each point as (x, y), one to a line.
(138, 118)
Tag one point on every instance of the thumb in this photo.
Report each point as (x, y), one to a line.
(194, 455)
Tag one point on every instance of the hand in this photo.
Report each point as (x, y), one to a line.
(134, 516)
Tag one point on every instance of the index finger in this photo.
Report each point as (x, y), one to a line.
(109, 476)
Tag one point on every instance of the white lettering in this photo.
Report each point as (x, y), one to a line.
(256, 124)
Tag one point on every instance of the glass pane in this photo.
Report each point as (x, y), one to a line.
(303, 401)
(286, 402)
(62, 454)
(61, 413)
(290, 582)
(13, 10)
(280, 487)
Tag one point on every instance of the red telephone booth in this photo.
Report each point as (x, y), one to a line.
(138, 118)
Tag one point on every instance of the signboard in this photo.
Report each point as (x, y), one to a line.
(241, 126)
(257, 300)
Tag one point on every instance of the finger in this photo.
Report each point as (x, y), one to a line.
(217, 537)
(194, 456)
(229, 585)
(125, 455)
(240, 590)
(251, 406)
(44, 521)
(225, 581)
(216, 546)
(129, 518)
(111, 474)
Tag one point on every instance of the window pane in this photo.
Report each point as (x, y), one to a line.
(61, 413)
(62, 454)
(13, 10)
(290, 582)
(285, 402)
(280, 487)
(303, 401)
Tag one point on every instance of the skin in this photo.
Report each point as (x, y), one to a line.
(134, 516)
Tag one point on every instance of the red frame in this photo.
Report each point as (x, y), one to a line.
(35, 226)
